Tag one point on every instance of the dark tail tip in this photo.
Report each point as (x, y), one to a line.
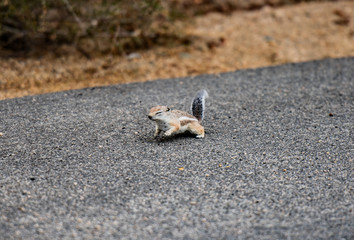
(198, 104)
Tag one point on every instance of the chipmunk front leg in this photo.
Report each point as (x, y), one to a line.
(157, 131)
(173, 128)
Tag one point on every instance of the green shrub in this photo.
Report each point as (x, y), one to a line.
(105, 26)
(112, 25)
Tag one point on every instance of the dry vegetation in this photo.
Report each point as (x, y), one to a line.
(211, 38)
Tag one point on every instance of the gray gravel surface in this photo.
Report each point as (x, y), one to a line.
(276, 162)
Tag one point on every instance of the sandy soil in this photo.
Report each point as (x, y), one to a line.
(245, 39)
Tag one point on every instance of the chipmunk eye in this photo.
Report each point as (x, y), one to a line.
(158, 112)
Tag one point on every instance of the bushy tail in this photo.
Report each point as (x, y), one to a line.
(198, 104)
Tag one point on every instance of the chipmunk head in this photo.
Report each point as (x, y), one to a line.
(156, 112)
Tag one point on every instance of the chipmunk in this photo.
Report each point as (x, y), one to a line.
(172, 122)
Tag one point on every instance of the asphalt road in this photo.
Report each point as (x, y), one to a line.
(276, 161)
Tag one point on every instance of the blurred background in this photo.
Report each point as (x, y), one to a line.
(55, 45)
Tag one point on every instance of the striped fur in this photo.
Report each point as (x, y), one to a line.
(171, 122)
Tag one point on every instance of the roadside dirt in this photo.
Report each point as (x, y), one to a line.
(244, 39)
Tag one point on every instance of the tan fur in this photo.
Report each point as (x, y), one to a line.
(172, 122)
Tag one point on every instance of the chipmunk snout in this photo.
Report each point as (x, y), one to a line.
(149, 117)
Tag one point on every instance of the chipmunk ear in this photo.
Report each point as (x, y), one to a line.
(169, 108)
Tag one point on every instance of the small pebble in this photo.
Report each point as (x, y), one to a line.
(133, 56)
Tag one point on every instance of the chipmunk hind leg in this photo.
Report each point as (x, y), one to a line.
(197, 129)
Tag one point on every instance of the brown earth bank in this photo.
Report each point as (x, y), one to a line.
(219, 43)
